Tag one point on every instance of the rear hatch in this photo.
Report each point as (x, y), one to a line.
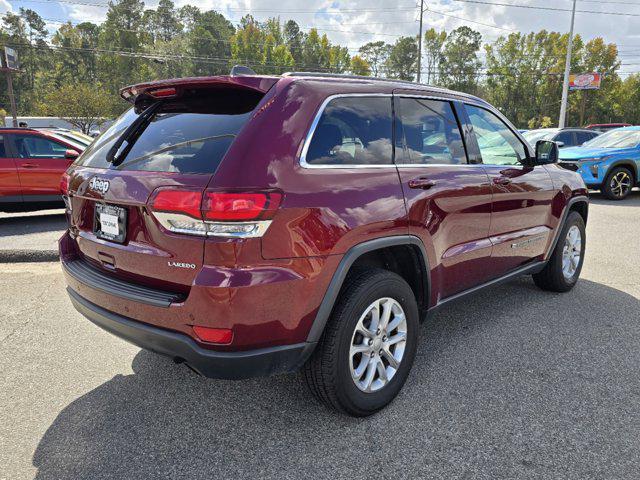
(174, 136)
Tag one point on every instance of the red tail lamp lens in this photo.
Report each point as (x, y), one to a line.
(240, 206)
(64, 183)
(178, 201)
(214, 335)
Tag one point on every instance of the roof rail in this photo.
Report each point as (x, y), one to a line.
(354, 77)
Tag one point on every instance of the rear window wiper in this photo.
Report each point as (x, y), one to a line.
(130, 134)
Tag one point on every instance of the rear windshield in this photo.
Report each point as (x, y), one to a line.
(189, 136)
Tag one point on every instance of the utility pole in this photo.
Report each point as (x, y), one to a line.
(420, 41)
(567, 71)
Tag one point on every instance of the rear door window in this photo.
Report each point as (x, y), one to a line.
(584, 137)
(353, 131)
(431, 132)
(566, 138)
(190, 136)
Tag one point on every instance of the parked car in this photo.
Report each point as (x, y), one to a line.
(72, 135)
(251, 225)
(564, 137)
(32, 163)
(609, 163)
(605, 127)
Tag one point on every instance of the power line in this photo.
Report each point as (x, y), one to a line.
(553, 9)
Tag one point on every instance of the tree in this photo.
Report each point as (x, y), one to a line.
(401, 62)
(312, 52)
(432, 47)
(460, 62)
(83, 105)
(375, 54)
(246, 43)
(293, 39)
(359, 66)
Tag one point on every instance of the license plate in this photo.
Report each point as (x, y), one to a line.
(110, 222)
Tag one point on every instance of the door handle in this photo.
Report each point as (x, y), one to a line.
(30, 165)
(422, 183)
(502, 181)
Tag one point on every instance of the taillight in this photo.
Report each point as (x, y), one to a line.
(64, 183)
(214, 213)
(240, 206)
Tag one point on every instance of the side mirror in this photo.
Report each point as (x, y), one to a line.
(560, 144)
(71, 154)
(546, 152)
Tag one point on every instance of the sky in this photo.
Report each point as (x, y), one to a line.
(356, 22)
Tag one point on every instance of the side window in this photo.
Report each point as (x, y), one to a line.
(33, 146)
(584, 137)
(3, 149)
(566, 138)
(498, 144)
(353, 131)
(431, 132)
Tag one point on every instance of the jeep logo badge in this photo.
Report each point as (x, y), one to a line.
(99, 185)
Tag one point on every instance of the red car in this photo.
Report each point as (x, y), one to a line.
(251, 225)
(32, 163)
(605, 127)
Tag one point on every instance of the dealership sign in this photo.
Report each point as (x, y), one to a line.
(585, 81)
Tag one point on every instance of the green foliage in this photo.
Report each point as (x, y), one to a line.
(81, 104)
(522, 73)
(401, 62)
(359, 66)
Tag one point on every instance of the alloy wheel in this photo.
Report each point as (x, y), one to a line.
(571, 252)
(620, 184)
(378, 344)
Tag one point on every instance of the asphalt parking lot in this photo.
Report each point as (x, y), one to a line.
(512, 383)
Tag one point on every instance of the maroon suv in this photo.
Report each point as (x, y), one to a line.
(250, 225)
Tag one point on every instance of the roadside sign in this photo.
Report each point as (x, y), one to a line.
(585, 81)
(10, 59)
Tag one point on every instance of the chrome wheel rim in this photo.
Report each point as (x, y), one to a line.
(377, 345)
(620, 184)
(571, 252)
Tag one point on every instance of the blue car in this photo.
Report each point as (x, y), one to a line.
(609, 162)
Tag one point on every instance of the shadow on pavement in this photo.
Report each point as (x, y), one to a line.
(22, 224)
(633, 200)
(511, 383)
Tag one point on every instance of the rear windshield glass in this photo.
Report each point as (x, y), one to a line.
(191, 136)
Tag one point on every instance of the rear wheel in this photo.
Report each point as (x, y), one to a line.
(368, 345)
(618, 183)
(563, 268)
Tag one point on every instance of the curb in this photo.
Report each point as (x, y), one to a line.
(25, 256)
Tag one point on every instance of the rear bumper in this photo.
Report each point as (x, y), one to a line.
(213, 364)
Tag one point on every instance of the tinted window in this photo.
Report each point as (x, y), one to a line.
(566, 138)
(498, 144)
(353, 130)
(3, 150)
(431, 132)
(187, 137)
(33, 146)
(584, 137)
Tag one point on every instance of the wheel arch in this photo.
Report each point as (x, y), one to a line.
(578, 204)
(625, 162)
(380, 252)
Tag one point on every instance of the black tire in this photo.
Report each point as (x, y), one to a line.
(552, 277)
(328, 371)
(610, 191)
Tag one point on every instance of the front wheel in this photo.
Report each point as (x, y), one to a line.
(618, 184)
(563, 268)
(368, 345)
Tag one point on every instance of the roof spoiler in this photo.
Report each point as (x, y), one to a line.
(242, 80)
